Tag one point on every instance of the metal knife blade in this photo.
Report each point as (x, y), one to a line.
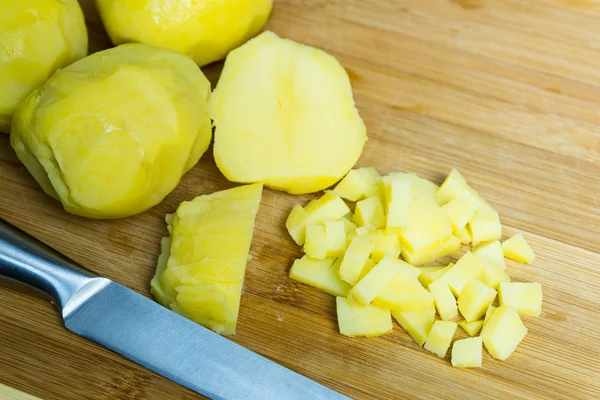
(148, 333)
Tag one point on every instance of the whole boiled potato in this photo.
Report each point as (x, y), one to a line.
(36, 38)
(112, 134)
(206, 30)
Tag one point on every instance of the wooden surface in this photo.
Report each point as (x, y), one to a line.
(507, 91)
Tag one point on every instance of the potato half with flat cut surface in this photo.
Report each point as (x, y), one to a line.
(112, 134)
(37, 37)
(285, 116)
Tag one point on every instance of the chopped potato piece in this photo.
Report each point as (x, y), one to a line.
(474, 300)
(472, 327)
(361, 320)
(327, 208)
(431, 254)
(468, 267)
(526, 298)
(395, 189)
(503, 332)
(471, 196)
(326, 240)
(464, 236)
(369, 213)
(452, 187)
(432, 274)
(385, 245)
(369, 265)
(516, 248)
(440, 337)
(459, 212)
(321, 274)
(428, 226)
(375, 281)
(354, 260)
(488, 314)
(467, 353)
(420, 187)
(445, 303)
(404, 293)
(492, 276)
(490, 253)
(398, 215)
(359, 184)
(484, 226)
(417, 324)
(349, 226)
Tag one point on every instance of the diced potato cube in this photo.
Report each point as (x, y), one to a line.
(474, 300)
(354, 260)
(492, 276)
(375, 281)
(349, 226)
(327, 240)
(483, 226)
(417, 324)
(420, 187)
(467, 353)
(490, 253)
(488, 314)
(503, 332)
(427, 255)
(327, 208)
(471, 196)
(516, 248)
(440, 337)
(459, 212)
(398, 215)
(472, 327)
(366, 232)
(397, 189)
(358, 184)
(451, 188)
(427, 226)
(526, 298)
(404, 293)
(385, 245)
(369, 265)
(432, 274)
(361, 320)
(464, 236)
(445, 303)
(321, 274)
(467, 268)
(369, 212)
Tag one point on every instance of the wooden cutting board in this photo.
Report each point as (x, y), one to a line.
(507, 91)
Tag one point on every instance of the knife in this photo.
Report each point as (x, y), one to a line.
(146, 332)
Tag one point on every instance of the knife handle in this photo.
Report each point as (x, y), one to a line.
(31, 262)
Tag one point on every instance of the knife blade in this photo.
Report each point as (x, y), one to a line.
(147, 333)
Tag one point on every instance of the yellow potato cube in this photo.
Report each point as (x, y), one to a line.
(459, 212)
(360, 320)
(445, 303)
(439, 338)
(474, 300)
(427, 226)
(349, 226)
(405, 296)
(398, 215)
(396, 189)
(472, 327)
(385, 245)
(325, 241)
(471, 196)
(516, 248)
(488, 314)
(490, 253)
(359, 184)
(492, 275)
(432, 274)
(503, 332)
(327, 208)
(467, 353)
(354, 260)
(464, 236)
(375, 281)
(483, 226)
(427, 255)
(467, 268)
(321, 274)
(526, 298)
(451, 188)
(369, 213)
(369, 265)
(417, 324)
(420, 187)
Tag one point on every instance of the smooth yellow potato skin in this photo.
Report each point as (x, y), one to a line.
(37, 37)
(112, 134)
(206, 30)
(285, 116)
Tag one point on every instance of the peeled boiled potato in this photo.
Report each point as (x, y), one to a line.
(285, 116)
(112, 134)
(206, 30)
(36, 38)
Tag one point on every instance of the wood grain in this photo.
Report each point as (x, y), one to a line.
(506, 91)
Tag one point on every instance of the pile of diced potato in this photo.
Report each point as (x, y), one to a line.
(372, 258)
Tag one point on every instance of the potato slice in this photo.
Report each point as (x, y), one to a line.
(284, 115)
